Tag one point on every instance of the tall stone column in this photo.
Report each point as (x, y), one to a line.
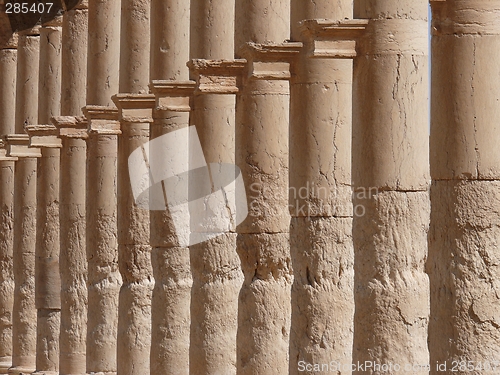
(170, 258)
(134, 250)
(465, 170)
(72, 260)
(320, 196)
(8, 65)
(104, 279)
(391, 180)
(6, 254)
(74, 61)
(214, 302)
(24, 313)
(171, 266)
(262, 115)
(47, 280)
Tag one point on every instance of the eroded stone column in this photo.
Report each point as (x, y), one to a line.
(214, 302)
(6, 254)
(24, 313)
(262, 115)
(47, 280)
(171, 265)
(320, 185)
(134, 250)
(72, 260)
(104, 279)
(391, 178)
(465, 169)
(74, 60)
(8, 66)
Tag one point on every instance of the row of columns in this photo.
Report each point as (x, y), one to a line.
(123, 293)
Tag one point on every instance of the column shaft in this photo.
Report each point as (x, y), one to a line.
(214, 301)
(73, 259)
(104, 279)
(391, 177)
(465, 160)
(320, 195)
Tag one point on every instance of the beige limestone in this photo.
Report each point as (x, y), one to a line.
(24, 312)
(8, 65)
(320, 184)
(74, 57)
(134, 250)
(47, 279)
(463, 238)
(171, 263)
(103, 51)
(214, 297)
(72, 259)
(104, 279)
(6, 256)
(262, 115)
(391, 178)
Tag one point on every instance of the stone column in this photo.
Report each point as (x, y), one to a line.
(134, 250)
(262, 115)
(104, 279)
(391, 180)
(214, 302)
(465, 169)
(215, 264)
(47, 280)
(6, 254)
(320, 196)
(103, 51)
(73, 260)
(74, 61)
(8, 65)
(24, 313)
(171, 267)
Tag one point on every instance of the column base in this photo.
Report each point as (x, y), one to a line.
(46, 373)
(19, 370)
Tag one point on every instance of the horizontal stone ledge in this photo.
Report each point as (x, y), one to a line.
(71, 126)
(217, 76)
(18, 146)
(43, 136)
(102, 120)
(172, 95)
(135, 108)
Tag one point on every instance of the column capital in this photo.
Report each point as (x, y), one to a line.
(137, 108)
(217, 76)
(18, 146)
(324, 38)
(102, 119)
(33, 31)
(270, 61)
(52, 22)
(71, 126)
(43, 136)
(3, 152)
(172, 95)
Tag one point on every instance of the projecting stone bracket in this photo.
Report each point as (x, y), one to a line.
(71, 126)
(102, 120)
(325, 38)
(135, 108)
(3, 152)
(43, 136)
(172, 95)
(18, 146)
(217, 76)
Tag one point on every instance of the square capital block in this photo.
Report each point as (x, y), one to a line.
(325, 38)
(71, 126)
(172, 95)
(217, 76)
(43, 136)
(135, 108)
(102, 120)
(3, 152)
(18, 146)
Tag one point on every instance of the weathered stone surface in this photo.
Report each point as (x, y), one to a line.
(264, 309)
(8, 65)
(391, 288)
(322, 293)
